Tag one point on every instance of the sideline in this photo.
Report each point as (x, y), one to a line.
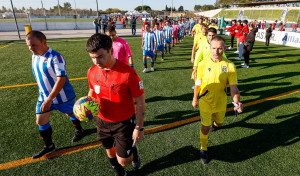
(6, 45)
(31, 84)
(20, 162)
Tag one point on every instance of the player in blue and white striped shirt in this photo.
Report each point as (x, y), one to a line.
(149, 47)
(168, 34)
(55, 91)
(160, 36)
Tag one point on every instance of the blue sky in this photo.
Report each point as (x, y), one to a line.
(105, 4)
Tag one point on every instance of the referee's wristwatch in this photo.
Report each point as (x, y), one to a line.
(139, 128)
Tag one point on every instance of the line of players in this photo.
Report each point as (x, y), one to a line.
(160, 38)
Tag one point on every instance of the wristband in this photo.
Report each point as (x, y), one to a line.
(140, 129)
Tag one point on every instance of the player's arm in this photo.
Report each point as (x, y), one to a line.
(59, 84)
(235, 94)
(140, 113)
(155, 44)
(196, 93)
(193, 52)
(91, 92)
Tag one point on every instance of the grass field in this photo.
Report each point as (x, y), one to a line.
(264, 140)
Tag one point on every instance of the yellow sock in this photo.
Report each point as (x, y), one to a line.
(203, 141)
(216, 124)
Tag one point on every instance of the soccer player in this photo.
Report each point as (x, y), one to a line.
(201, 39)
(121, 48)
(231, 29)
(196, 31)
(213, 25)
(214, 73)
(248, 45)
(238, 33)
(168, 34)
(268, 34)
(294, 29)
(133, 25)
(55, 91)
(175, 33)
(160, 36)
(117, 87)
(149, 47)
(244, 33)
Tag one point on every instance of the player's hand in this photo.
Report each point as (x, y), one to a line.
(193, 76)
(154, 51)
(46, 105)
(192, 60)
(137, 135)
(239, 107)
(195, 103)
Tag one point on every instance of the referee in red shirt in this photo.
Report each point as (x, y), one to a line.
(117, 87)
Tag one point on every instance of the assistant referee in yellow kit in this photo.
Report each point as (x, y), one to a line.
(213, 76)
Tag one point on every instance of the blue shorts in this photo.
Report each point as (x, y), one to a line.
(168, 40)
(160, 47)
(148, 53)
(66, 108)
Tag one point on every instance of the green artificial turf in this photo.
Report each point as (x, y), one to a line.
(264, 140)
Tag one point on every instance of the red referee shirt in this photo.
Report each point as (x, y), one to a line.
(115, 89)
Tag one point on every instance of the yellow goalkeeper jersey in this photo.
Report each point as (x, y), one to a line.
(214, 79)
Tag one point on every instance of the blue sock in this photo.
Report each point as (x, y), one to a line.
(145, 62)
(44, 127)
(152, 61)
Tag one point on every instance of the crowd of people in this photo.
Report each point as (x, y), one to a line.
(121, 118)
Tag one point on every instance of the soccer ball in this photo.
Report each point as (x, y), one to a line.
(86, 108)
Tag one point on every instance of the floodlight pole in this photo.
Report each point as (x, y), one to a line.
(172, 9)
(44, 15)
(58, 6)
(97, 9)
(76, 27)
(12, 6)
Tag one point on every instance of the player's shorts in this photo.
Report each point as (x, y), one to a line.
(168, 40)
(148, 53)
(66, 107)
(160, 47)
(206, 117)
(116, 134)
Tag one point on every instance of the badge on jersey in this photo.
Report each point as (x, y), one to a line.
(97, 89)
(141, 85)
(224, 69)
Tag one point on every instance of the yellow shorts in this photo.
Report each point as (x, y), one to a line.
(206, 117)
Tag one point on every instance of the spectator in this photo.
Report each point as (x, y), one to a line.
(268, 34)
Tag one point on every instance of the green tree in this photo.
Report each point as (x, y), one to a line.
(197, 7)
(180, 8)
(144, 7)
(207, 7)
(67, 6)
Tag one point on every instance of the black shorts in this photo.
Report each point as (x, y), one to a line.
(118, 134)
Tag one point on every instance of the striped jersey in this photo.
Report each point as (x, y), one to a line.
(46, 69)
(149, 39)
(160, 35)
(168, 31)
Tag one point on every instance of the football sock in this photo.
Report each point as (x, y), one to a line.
(203, 141)
(169, 49)
(46, 134)
(145, 63)
(116, 166)
(152, 63)
(162, 55)
(76, 123)
(216, 124)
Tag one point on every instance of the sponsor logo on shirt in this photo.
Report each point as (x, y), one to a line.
(141, 85)
(97, 89)
(224, 69)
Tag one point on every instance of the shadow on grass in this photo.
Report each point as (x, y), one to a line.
(271, 136)
(183, 97)
(178, 157)
(171, 117)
